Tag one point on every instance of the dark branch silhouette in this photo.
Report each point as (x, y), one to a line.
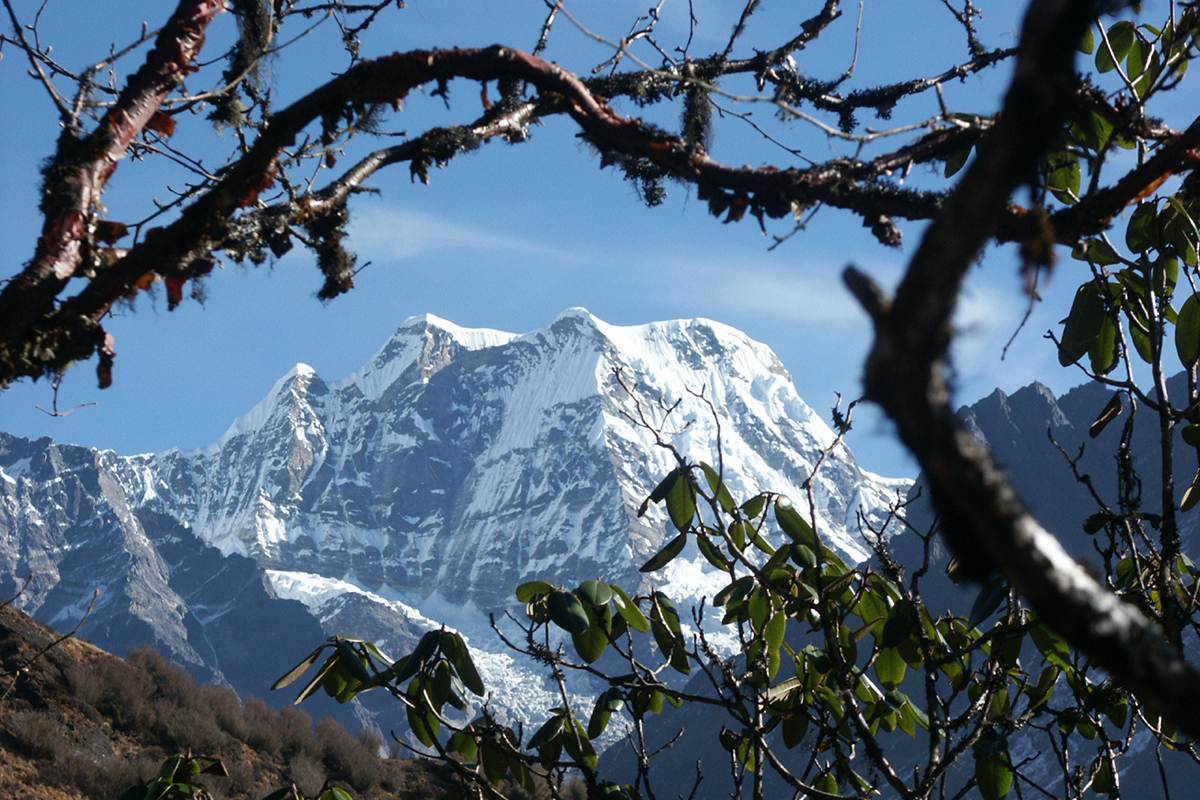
(982, 518)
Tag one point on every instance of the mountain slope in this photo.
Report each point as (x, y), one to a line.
(77, 722)
(468, 461)
(453, 466)
(1034, 435)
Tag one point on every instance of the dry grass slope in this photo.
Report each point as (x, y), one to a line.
(81, 724)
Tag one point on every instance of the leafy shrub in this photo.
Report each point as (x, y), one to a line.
(371, 740)
(295, 732)
(263, 732)
(170, 682)
(227, 710)
(116, 689)
(245, 779)
(189, 727)
(97, 777)
(306, 772)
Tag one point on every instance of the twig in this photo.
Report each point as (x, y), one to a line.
(15, 672)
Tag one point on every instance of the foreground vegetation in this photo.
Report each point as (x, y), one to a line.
(78, 722)
(838, 660)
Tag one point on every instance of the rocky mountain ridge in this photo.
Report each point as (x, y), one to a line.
(419, 490)
(1034, 435)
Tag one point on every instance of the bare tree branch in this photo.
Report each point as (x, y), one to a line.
(41, 331)
(82, 168)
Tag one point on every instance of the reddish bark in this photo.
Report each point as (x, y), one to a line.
(181, 249)
(389, 80)
(985, 522)
(76, 179)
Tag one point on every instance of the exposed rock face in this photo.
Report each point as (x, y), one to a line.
(457, 462)
(1033, 435)
(67, 518)
(467, 461)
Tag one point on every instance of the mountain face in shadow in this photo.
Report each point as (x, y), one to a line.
(1036, 438)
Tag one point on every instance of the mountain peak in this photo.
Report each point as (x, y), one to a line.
(299, 381)
(513, 453)
(422, 321)
(577, 312)
(471, 338)
(455, 465)
(417, 339)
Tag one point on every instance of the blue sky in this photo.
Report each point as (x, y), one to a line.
(509, 236)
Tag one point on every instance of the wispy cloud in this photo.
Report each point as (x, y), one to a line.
(991, 312)
(746, 283)
(405, 233)
(730, 278)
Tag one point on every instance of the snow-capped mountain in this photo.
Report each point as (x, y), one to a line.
(421, 489)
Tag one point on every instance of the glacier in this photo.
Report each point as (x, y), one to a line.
(468, 461)
(423, 488)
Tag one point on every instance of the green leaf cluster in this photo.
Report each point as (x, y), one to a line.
(179, 779)
(832, 653)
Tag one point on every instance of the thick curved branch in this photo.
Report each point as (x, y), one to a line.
(35, 337)
(75, 179)
(1092, 214)
(254, 232)
(983, 520)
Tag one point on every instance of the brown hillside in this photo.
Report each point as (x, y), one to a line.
(79, 723)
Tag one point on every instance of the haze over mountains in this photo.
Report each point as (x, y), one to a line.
(420, 490)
